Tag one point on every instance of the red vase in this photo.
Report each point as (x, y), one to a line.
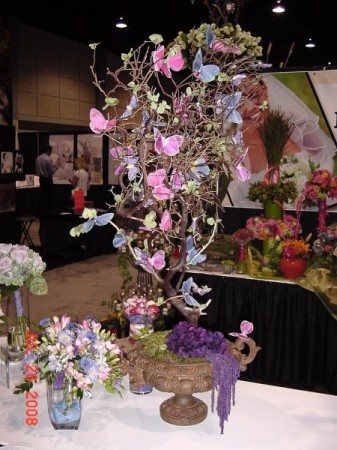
(292, 268)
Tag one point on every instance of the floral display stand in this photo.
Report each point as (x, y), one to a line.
(183, 380)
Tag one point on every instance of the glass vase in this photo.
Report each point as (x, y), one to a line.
(64, 414)
(18, 321)
(241, 265)
(271, 210)
(140, 327)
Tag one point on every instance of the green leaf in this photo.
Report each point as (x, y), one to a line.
(156, 38)
(150, 220)
(111, 101)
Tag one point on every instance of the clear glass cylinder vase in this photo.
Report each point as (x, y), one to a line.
(140, 327)
(63, 414)
(16, 308)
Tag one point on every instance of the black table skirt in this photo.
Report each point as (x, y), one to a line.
(297, 334)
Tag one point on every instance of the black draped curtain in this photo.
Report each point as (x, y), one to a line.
(297, 334)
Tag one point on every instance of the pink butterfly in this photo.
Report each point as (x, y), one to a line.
(170, 145)
(242, 172)
(156, 178)
(98, 123)
(246, 328)
(174, 62)
(166, 221)
(162, 193)
(157, 261)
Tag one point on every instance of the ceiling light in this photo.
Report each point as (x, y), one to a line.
(310, 44)
(121, 23)
(278, 8)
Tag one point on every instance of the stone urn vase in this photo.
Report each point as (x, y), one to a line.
(182, 379)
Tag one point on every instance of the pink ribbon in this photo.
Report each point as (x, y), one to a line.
(272, 175)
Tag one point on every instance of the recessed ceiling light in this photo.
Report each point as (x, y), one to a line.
(121, 23)
(310, 44)
(278, 8)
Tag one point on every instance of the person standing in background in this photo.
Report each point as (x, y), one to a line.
(81, 179)
(45, 169)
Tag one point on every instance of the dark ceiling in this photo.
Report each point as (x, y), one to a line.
(89, 21)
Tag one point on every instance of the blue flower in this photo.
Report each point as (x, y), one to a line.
(87, 363)
(44, 322)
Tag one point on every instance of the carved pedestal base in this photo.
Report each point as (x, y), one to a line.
(183, 410)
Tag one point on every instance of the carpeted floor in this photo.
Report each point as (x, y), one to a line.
(77, 289)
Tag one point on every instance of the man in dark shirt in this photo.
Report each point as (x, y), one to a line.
(44, 169)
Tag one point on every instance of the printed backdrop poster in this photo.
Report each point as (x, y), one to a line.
(62, 155)
(90, 147)
(309, 99)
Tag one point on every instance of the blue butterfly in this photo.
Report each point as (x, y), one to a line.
(193, 257)
(209, 36)
(132, 168)
(228, 103)
(104, 219)
(188, 287)
(153, 123)
(130, 108)
(205, 73)
(119, 239)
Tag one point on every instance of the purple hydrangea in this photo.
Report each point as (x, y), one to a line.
(190, 341)
(59, 379)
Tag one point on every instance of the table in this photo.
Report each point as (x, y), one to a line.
(57, 244)
(297, 334)
(264, 417)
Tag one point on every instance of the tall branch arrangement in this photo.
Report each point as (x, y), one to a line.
(178, 134)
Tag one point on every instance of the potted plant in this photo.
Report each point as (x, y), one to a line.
(274, 131)
(293, 260)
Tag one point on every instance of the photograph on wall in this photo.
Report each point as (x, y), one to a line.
(90, 148)
(62, 156)
(303, 98)
(6, 162)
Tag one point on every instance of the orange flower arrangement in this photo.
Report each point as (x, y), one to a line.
(296, 248)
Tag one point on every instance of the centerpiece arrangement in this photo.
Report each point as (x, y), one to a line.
(320, 186)
(293, 260)
(71, 357)
(20, 267)
(173, 141)
(274, 131)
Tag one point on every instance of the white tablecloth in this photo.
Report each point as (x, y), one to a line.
(264, 417)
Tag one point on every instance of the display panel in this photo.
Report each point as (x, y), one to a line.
(309, 99)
